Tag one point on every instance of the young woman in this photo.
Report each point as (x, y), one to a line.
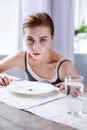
(40, 62)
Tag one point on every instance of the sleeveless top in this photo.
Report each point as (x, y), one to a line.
(32, 76)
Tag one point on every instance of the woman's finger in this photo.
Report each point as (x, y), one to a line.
(75, 91)
(60, 86)
(4, 80)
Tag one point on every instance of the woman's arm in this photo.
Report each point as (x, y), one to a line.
(65, 69)
(16, 60)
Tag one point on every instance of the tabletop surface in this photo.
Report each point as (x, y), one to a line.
(36, 112)
(12, 118)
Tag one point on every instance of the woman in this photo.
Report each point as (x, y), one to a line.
(40, 62)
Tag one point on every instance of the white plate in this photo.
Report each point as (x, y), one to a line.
(30, 87)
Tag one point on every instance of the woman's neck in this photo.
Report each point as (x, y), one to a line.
(44, 59)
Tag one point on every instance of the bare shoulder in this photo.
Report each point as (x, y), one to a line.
(19, 54)
(14, 57)
(14, 60)
(56, 56)
(18, 58)
(67, 68)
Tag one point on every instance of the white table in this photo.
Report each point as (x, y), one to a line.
(49, 106)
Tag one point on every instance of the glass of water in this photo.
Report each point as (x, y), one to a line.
(73, 89)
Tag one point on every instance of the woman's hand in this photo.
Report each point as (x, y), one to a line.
(73, 91)
(60, 86)
(4, 79)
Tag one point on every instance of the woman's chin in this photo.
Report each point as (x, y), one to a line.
(37, 57)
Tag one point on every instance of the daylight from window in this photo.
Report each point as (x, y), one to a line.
(8, 26)
(80, 38)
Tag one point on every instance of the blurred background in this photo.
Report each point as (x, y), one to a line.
(70, 21)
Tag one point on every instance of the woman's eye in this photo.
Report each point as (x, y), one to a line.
(42, 40)
(30, 40)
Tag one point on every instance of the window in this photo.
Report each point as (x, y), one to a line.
(80, 39)
(8, 26)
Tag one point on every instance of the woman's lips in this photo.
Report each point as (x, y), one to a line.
(36, 53)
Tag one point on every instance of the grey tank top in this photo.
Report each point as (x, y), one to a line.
(34, 77)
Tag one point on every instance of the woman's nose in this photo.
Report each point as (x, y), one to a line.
(35, 46)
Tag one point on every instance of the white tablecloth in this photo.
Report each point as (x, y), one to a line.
(57, 111)
(27, 101)
(51, 106)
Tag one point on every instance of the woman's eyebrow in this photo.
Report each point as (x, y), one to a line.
(30, 37)
(44, 37)
(39, 38)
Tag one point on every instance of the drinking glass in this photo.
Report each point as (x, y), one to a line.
(84, 102)
(73, 90)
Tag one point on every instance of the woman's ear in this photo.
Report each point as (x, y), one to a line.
(53, 37)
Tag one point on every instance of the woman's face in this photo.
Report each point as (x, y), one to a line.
(38, 41)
